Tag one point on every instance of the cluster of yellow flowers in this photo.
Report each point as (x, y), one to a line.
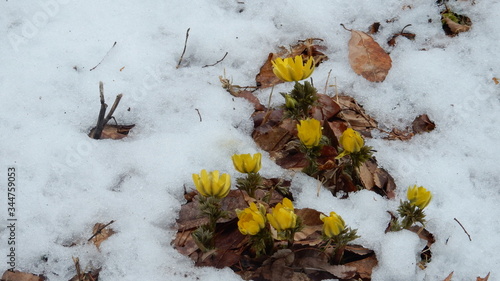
(252, 219)
(255, 220)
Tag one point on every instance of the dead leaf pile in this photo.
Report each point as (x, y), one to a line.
(306, 260)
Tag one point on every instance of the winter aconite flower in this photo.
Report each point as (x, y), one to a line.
(282, 216)
(309, 132)
(251, 219)
(351, 141)
(333, 225)
(211, 185)
(419, 196)
(293, 69)
(246, 163)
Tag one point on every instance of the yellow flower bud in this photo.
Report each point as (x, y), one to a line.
(309, 132)
(290, 102)
(246, 163)
(211, 185)
(251, 219)
(282, 216)
(419, 196)
(293, 69)
(333, 225)
(351, 141)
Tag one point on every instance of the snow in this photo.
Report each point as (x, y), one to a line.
(68, 182)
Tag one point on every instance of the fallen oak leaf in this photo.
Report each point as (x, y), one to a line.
(367, 58)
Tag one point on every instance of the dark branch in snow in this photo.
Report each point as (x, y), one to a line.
(103, 57)
(100, 229)
(216, 62)
(470, 239)
(100, 120)
(184, 50)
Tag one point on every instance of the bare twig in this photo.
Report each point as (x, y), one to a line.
(100, 229)
(327, 80)
(198, 113)
(103, 57)
(216, 62)
(470, 239)
(184, 50)
(113, 108)
(100, 120)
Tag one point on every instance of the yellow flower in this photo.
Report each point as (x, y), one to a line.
(251, 219)
(246, 163)
(419, 196)
(293, 69)
(351, 141)
(333, 225)
(282, 216)
(211, 185)
(309, 132)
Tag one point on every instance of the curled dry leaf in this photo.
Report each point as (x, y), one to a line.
(377, 179)
(367, 58)
(454, 23)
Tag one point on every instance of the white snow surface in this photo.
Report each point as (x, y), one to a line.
(67, 182)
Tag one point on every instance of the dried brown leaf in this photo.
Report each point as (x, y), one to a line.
(100, 233)
(422, 124)
(454, 27)
(448, 278)
(364, 267)
(326, 108)
(367, 58)
(114, 132)
(374, 28)
(274, 139)
(377, 179)
(20, 276)
(483, 279)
